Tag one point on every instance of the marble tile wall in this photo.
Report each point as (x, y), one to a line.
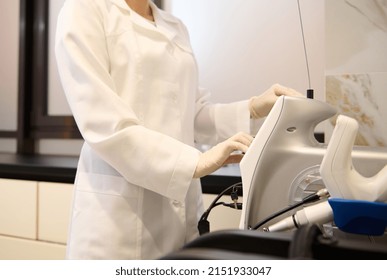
(356, 65)
(364, 98)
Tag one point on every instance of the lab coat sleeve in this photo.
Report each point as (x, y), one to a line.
(142, 156)
(217, 122)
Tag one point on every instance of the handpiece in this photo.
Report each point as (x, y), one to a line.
(320, 213)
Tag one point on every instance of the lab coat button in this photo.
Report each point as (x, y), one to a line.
(176, 203)
(141, 118)
(170, 48)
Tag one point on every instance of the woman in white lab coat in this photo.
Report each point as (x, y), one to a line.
(131, 80)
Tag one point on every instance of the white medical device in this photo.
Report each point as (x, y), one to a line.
(338, 173)
(282, 165)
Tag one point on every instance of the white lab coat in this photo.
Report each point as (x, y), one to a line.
(133, 90)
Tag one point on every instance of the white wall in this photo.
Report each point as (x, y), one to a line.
(356, 36)
(243, 47)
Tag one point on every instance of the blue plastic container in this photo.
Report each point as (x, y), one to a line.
(359, 216)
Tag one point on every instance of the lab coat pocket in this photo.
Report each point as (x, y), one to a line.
(105, 215)
(105, 184)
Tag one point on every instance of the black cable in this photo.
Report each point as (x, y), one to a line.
(203, 224)
(282, 211)
(231, 205)
(308, 199)
(207, 212)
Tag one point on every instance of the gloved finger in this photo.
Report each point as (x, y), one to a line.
(235, 158)
(243, 138)
(236, 145)
(227, 153)
(222, 154)
(281, 90)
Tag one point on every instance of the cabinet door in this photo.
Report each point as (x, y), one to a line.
(18, 206)
(54, 211)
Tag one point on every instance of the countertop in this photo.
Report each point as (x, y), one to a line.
(62, 169)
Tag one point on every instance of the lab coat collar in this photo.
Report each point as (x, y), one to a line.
(160, 13)
(169, 25)
(166, 24)
(121, 3)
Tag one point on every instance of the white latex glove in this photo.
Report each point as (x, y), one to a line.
(261, 105)
(222, 154)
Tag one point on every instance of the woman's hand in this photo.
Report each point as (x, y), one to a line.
(222, 154)
(261, 105)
